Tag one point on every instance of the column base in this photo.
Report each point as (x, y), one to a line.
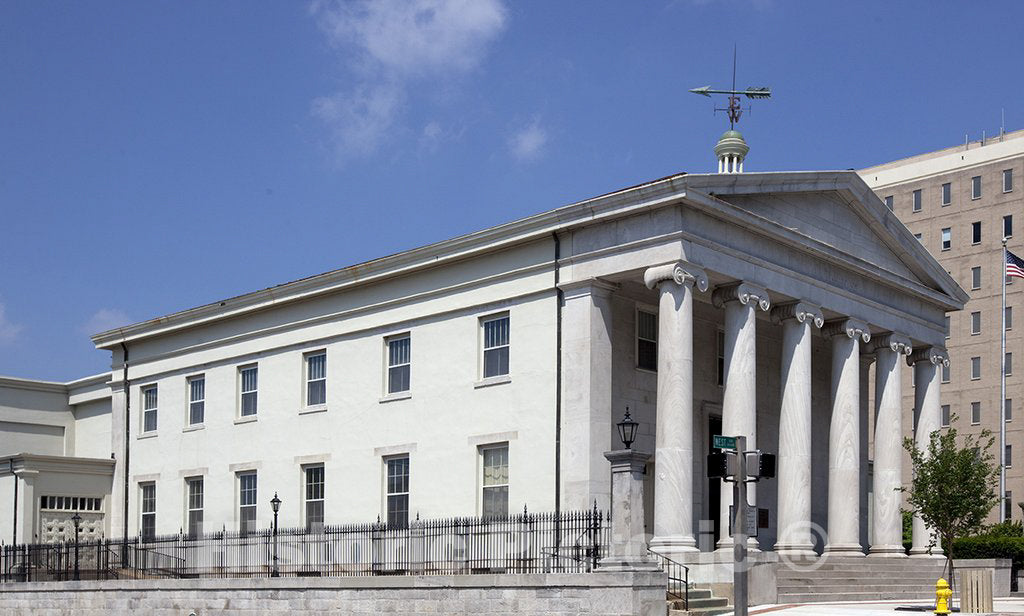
(671, 546)
(622, 563)
(887, 551)
(936, 552)
(726, 545)
(795, 550)
(844, 549)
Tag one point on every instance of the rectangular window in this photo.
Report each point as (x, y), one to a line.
(947, 238)
(975, 413)
(1008, 225)
(945, 416)
(976, 232)
(888, 202)
(1008, 506)
(976, 277)
(975, 368)
(194, 505)
(316, 378)
(149, 408)
(1008, 318)
(721, 358)
(399, 364)
(1008, 362)
(947, 193)
(147, 500)
(398, 492)
(1008, 409)
(314, 497)
(496, 346)
(947, 326)
(1007, 180)
(196, 400)
(646, 340)
(917, 200)
(495, 482)
(975, 323)
(1008, 456)
(976, 187)
(248, 382)
(919, 237)
(945, 373)
(247, 501)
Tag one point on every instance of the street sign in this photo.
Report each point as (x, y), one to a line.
(751, 530)
(723, 442)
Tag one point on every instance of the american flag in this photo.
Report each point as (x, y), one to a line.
(1014, 265)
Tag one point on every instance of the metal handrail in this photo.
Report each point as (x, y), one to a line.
(678, 577)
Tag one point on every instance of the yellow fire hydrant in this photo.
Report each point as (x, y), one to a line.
(942, 596)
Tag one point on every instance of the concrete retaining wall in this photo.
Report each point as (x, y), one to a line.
(604, 594)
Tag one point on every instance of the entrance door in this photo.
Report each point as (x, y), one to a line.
(714, 485)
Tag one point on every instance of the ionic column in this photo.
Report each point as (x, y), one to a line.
(887, 520)
(739, 402)
(794, 473)
(927, 363)
(844, 438)
(673, 461)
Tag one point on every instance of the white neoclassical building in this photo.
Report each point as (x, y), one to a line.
(485, 373)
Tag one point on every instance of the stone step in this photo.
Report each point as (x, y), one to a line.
(811, 597)
(854, 577)
(840, 588)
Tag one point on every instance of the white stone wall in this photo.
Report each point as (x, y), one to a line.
(34, 418)
(603, 594)
(92, 429)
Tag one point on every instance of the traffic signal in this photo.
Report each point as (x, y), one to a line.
(721, 465)
(760, 465)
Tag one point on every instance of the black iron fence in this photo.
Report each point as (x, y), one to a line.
(527, 543)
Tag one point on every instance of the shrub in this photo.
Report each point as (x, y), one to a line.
(1008, 528)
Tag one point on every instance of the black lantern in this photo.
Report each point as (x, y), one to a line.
(627, 430)
(275, 503)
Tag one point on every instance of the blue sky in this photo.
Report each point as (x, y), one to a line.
(156, 156)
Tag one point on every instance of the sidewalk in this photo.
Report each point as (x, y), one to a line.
(875, 608)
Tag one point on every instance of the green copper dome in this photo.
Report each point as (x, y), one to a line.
(731, 134)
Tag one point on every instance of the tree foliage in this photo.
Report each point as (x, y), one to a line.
(954, 486)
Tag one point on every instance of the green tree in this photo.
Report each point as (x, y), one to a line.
(954, 487)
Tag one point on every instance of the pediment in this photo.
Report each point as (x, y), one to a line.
(837, 211)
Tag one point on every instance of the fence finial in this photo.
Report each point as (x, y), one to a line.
(524, 508)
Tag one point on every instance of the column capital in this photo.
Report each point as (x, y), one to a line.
(680, 272)
(587, 286)
(627, 460)
(897, 343)
(851, 328)
(742, 292)
(802, 312)
(936, 355)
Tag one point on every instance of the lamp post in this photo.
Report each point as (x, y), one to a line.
(627, 430)
(275, 504)
(77, 520)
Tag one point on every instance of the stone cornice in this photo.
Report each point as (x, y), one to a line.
(588, 286)
(744, 293)
(897, 343)
(802, 312)
(936, 355)
(25, 463)
(680, 272)
(851, 328)
(33, 385)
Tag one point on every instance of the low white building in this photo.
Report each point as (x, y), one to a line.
(484, 374)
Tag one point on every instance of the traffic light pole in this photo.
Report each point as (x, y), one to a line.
(739, 530)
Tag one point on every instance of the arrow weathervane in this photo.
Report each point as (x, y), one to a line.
(734, 109)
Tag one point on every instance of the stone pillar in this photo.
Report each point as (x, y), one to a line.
(794, 473)
(927, 363)
(887, 520)
(586, 393)
(739, 402)
(673, 458)
(844, 458)
(28, 508)
(628, 549)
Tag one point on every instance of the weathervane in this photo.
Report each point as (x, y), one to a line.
(734, 109)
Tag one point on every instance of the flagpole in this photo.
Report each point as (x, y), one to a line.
(1002, 402)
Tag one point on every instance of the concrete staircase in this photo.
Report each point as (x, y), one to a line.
(858, 579)
(702, 603)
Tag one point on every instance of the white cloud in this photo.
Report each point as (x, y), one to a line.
(105, 319)
(390, 44)
(528, 142)
(8, 330)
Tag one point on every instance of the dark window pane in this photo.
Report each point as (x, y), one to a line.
(496, 362)
(495, 502)
(398, 379)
